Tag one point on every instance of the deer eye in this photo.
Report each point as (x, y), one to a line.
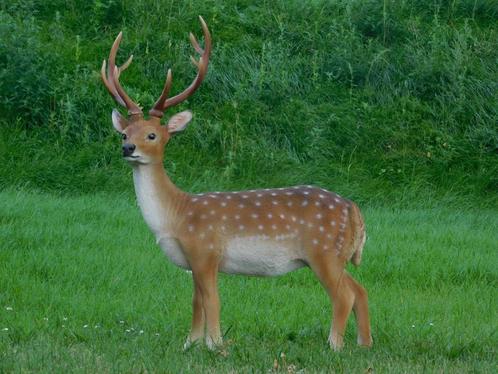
(151, 136)
(124, 136)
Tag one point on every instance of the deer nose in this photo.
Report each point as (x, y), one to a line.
(128, 149)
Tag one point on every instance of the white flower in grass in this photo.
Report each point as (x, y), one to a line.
(85, 326)
(127, 330)
(64, 318)
(5, 329)
(45, 318)
(9, 308)
(431, 324)
(121, 322)
(413, 326)
(157, 334)
(141, 332)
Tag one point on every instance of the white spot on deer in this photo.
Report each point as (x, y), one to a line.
(224, 217)
(289, 193)
(205, 202)
(254, 215)
(259, 194)
(331, 206)
(321, 196)
(190, 228)
(210, 227)
(317, 203)
(304, 203)
(241, 206)
(282, 216)
(237, 216)
(270, 215)
(202, 235)
(287, 227)
(260, 227)
(293, 218)
(241, 227)
(318, 216)
(257, 203)
(210, 246)
(273, 194)
(321, 228)
(274, 227)
(345, 211)
(245, 196)
(310, 224)
(212, 212)
(223, 203)
(194, 199)
(274, 202)
(306, 192)
(329, 236)
(315, 241)
(203, 216)
(332, 223)
(337, 200)
(289, 203)
(301, 221)
(190, 213)
(229, 197)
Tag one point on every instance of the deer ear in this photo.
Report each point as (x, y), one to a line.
(179, 121)
(118, 121)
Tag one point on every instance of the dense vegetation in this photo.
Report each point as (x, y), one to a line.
(377, 100)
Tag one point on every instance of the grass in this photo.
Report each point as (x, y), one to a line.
(85, 289)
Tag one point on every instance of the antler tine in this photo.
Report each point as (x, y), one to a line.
(132, 107)
(164, 95)
(111, 79)
(163, 103)
(109, 84)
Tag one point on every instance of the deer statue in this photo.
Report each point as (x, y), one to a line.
(264, 232)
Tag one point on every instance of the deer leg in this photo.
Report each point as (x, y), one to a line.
(334, 280)
(198, 318)
(206, 277)
(343, 299)
(360, 308)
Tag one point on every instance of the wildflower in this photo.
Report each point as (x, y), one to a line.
(8, 308)
(5, 329)
(85, 326)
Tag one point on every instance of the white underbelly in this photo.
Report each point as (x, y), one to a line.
(256, 255)
(173, 250)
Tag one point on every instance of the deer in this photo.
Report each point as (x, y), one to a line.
(259, 232)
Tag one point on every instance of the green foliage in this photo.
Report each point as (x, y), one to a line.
(84, 288)
(378, 100)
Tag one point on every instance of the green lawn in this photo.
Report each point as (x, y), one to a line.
(84, 288)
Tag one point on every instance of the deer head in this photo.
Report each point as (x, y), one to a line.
(144, 139)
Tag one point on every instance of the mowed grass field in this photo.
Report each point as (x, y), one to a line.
(83, 288)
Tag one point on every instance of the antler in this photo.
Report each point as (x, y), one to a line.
(111, 79)
(163, 102)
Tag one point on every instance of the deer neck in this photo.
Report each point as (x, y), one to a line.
(159, 199)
